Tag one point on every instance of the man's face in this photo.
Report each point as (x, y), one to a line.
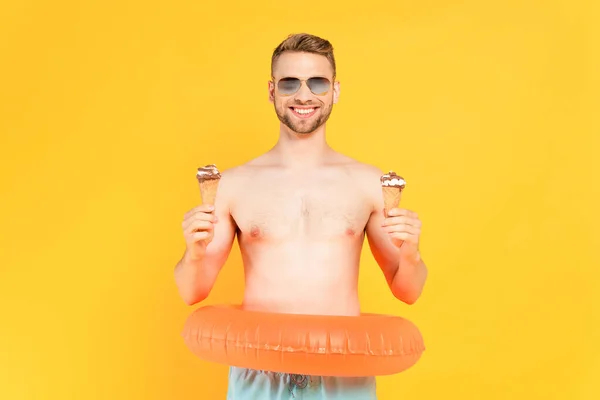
(303, 111)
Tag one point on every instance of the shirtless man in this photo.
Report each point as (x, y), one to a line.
(301, 212)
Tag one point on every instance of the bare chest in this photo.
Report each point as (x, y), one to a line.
(319, 210)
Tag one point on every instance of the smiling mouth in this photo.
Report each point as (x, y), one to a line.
(304, 112)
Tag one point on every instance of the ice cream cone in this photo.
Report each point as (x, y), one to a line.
(391, 186)
(208, 179)
(208, 191)
(391, 198)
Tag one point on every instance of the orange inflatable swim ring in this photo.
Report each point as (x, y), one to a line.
(365, 345)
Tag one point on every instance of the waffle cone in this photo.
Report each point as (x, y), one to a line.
(208, 191)
(391, 197)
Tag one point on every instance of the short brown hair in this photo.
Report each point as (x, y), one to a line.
(304, 42)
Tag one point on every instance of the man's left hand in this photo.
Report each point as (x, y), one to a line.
(404, 228)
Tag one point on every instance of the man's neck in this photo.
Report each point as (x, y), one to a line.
(302, 150)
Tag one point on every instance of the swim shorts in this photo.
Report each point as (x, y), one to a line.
(248, 384)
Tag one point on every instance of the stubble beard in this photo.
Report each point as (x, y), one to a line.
(299, 127)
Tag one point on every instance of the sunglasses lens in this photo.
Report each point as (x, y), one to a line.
(288, 86)
(318, 86)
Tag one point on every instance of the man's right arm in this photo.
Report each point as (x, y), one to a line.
(208, 244)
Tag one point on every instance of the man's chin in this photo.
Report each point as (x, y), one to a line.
(302, 128)
(299, 129)
(304, 131)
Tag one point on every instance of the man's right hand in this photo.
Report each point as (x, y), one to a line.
(198, 230)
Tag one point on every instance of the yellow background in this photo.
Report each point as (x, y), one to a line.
(488, 109)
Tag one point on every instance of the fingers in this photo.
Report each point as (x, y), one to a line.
(198, 218)
(405, 237)
(199, 215)
(200, 236)
(198, 225)
(402, 224)
(203, 208)
(403, 228)
(401, 212)
(402, 220)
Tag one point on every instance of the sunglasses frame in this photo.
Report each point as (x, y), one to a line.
(302, 81)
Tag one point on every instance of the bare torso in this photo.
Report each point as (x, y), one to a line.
(301, 233)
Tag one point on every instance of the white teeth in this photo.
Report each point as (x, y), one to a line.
(304, 110)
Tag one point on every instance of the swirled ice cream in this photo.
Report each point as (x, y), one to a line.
(208, 172)
(393, 179)
(208, 178)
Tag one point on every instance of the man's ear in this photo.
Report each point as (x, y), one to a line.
(336, 92)
(271, 92)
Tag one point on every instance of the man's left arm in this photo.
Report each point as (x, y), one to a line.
(394, 242)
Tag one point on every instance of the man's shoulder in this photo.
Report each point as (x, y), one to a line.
(366, 178)
(238, 173)
(362, 169)
(231, 174)
(369, 170)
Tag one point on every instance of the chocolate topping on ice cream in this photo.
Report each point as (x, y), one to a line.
(208, 172)
(392, 179)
